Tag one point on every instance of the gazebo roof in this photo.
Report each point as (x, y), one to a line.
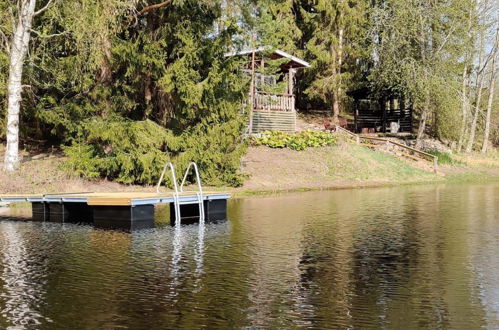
(294, 62)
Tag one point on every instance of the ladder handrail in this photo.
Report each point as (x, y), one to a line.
(176, 194)
(200, 188)
(174, 178)
(198, 179)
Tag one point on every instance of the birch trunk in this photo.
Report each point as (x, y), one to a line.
(18, 51)
(422, 121)
(478, 100)
(338, 90)
(426, 106)
(464, 108)
(471, 140)
(491, 96)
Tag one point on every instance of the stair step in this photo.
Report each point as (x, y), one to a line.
(189, 203)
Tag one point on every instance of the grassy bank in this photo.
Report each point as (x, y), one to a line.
(352, 166)
(275, 170)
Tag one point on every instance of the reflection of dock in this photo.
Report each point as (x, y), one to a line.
(127, 211)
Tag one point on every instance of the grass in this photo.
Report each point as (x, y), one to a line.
(366, 164)
(343, 166)
(446, 159)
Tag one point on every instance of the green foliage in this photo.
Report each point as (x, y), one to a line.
(135, 152)
(336, 43)
(4, 64)
(125, 151)
(421, 49)
(445, 158)
(128, 94)
(125, 93)
(295, 141)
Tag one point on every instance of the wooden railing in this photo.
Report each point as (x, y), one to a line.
(406, 150)
(382, 142)
(349, 134)
(278, 102)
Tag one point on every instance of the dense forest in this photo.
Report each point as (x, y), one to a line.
(124, 85)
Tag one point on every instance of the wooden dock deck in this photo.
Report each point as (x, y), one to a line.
(120, 210)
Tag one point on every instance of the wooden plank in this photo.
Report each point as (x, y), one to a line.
(102, 201)
(273, 115)
(21, 196)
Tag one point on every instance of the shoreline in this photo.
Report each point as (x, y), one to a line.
(277, 171)
(475, 178)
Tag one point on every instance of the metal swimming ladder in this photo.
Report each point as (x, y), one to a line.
(176, 194)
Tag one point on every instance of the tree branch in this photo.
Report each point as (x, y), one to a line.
(38, 12)
(4, 42)
(152, 7)
(49, 35)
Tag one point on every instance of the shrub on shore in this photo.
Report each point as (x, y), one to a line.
(295, 141)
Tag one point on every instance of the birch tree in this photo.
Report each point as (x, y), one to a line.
(417, 53)
(486, 18)
(493, 71)
(22, 14)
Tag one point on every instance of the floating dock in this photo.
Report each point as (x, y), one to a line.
(123, 210)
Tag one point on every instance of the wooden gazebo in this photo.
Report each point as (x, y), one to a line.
(271, 97)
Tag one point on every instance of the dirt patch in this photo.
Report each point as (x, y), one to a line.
(41, 173)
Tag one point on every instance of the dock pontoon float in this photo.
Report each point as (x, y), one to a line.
(128, 210)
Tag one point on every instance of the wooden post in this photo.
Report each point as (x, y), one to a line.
(291, 73)
(262, 73)
(356, 115)
(383, 118)
(252, 86)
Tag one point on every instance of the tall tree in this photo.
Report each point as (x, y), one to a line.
(492, 82)
(487, 19)
(23, 12)
(417, 51)
(337, 35)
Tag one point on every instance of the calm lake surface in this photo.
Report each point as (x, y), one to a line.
(407, 257)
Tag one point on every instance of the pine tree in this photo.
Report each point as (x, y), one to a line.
(335, 40)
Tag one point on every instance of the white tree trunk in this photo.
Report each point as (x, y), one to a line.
(18, 50)
(471, 140)
(422, 121)
(491, 97)
(338, 92)
(464, 108)
(424, 114)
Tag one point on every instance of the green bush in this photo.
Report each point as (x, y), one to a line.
(445, 158)
(135, 151)
(295, 141)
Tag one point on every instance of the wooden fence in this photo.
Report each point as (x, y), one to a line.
(397, 148)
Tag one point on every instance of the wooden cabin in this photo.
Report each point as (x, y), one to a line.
(381, 114)
(271, 97)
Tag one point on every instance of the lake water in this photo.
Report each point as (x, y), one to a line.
(406, 257)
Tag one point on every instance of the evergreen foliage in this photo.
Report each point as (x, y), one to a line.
(336, 44)
(135, 151)
(169, 69)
